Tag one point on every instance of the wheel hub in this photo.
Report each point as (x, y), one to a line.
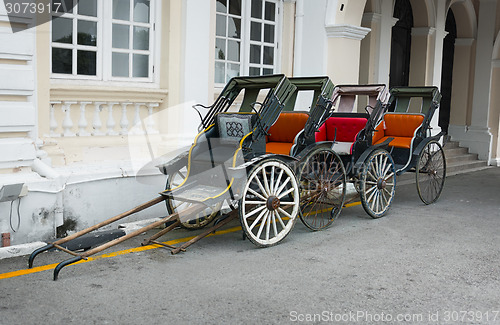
(273, 203)
(381, 183)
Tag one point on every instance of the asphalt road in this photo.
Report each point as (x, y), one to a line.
(419, 264)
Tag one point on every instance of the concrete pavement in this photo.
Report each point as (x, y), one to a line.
(420, 264)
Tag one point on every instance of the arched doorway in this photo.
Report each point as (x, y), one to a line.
(447, 71)
(401, 44)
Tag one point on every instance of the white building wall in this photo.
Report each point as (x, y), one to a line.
(17, 71)
(310, 39)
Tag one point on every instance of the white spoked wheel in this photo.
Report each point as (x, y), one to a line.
(378, 183)
(199, 220)
(270, 203)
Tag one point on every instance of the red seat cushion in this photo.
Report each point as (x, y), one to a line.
(347, 129)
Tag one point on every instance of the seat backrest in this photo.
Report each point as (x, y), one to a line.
(347, 128)
(402, 124)
(232, 127)
(287, 126)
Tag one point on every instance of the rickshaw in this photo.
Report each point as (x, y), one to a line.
(350, 132)
(227, 163)
(414, 148)
(301, 116)
(385, 141)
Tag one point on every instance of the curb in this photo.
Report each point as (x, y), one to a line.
(20, 250)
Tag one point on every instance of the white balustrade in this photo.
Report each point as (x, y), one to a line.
(124, 119)
(111, 122)
(96, 123)
(82, 123)
(53, 121)
(67, 122)
(102, 114)
(150, 120)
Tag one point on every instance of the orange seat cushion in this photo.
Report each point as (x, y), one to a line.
(281, 148)
(287, 126)
(398, 142)
(402, 125)
(399, 126)
(283, 132)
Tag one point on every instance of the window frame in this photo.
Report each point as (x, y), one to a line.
(104, 50)
(246, 19)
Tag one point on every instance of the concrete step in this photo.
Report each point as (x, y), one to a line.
(460, 158)
(450, 145)
(459, 151)
(465, 166)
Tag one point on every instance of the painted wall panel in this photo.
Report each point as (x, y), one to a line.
(14, 114)
(16, 79)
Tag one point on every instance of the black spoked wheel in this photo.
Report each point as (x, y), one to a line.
(270, 203)
(378, 183)
(431, 172)
(322, 184)
(197, 221)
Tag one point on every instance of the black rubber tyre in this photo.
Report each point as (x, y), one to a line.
(322, 186)
(430, 172)
(378, 183)
(270, 202)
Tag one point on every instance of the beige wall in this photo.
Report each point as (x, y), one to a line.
(166, 92)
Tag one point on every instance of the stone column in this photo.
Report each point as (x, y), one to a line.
(461, 100)
(494, 118)
(344, 43)
(422, 58)
(287, 44)
(370, 49)
(478, 135)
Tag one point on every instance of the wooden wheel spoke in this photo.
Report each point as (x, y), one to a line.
(256, 194)
(285, 213)
(275, 228)
(264, 221)
(278, 180)
(260, 185)
(279, 219)
(254, 211)
(278, 192)
(266, 184)
(257, 219)
(285, 193)
(271, 186)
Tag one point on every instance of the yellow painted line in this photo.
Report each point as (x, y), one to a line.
(125, 251)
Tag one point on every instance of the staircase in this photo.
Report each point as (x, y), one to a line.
(458, 161)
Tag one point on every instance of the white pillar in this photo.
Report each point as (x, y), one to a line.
(344, 45)
(385, 39)
(479, 135)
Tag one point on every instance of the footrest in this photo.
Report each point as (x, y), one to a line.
(197, 194)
